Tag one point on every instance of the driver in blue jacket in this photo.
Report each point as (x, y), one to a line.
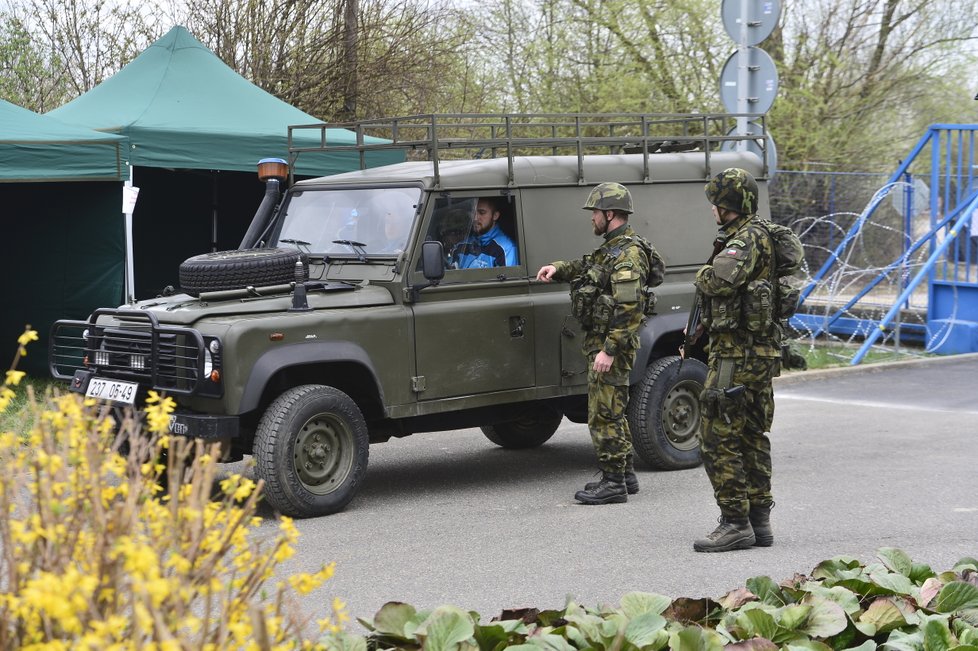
(487, 245)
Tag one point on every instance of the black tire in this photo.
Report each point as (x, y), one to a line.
(535, 425)
(222, 270)
(664, 413)
(311, 449)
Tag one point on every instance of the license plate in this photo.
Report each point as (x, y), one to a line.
(112, 390)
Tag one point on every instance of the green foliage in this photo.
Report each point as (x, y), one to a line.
(892, 603)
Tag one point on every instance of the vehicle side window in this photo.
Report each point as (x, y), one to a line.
(476, 232)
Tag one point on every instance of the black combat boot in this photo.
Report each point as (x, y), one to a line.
(733, 533)
(760, 522)
(610, 490)
(631, 483)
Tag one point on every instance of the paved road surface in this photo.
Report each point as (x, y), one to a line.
(864, 458)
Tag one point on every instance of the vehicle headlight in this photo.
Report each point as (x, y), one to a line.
(208, 363)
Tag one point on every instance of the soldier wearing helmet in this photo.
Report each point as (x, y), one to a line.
(736, 292)
(611, 296)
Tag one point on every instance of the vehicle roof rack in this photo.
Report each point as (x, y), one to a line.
(437, 137)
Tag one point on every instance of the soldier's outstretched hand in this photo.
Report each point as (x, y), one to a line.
(546, 273)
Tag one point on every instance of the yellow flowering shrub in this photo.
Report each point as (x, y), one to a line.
(96, 555)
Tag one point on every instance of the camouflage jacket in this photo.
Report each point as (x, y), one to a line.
(732, 289)
(621, 269)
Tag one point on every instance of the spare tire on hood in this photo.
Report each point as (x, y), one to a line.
(223, 270)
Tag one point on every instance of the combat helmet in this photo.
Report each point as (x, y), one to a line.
(734, 189)
(609, 196)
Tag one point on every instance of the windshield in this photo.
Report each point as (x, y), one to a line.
(357, 222)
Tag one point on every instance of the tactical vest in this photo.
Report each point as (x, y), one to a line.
(591, 300)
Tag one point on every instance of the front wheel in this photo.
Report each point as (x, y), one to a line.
(311, 450)
(664, 413)
(535, 425)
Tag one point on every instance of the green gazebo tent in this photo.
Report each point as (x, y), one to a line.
(58, 183)
(196, 130)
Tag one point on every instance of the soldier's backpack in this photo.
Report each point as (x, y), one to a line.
(788, 257)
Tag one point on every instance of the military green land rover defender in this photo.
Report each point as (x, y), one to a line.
(342, 320)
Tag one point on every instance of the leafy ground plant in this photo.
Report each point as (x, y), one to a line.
(96, 555)
(892, 603)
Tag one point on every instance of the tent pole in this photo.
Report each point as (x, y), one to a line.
(129, 205)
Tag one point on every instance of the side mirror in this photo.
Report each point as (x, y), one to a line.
(433, 261)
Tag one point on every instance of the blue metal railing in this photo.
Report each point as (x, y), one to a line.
(953, 198)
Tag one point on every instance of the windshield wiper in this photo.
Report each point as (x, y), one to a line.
(358, 248)
(298, 244)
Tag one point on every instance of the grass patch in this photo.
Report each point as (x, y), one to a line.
(19, 416)
(831, 355)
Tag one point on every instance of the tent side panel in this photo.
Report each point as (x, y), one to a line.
(65, 258)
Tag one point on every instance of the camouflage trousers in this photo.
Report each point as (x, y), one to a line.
(607, 404)
(733, 435)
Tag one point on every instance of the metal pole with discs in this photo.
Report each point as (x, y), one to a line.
(749, 79)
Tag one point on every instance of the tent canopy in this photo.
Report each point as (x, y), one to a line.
(41, 148)
(181, 107)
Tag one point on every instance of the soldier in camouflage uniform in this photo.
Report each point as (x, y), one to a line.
(736, 294)
(611, 295)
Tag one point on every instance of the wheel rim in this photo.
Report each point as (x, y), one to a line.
(681, 415)
(323, 453)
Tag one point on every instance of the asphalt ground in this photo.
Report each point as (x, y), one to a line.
(864, 457)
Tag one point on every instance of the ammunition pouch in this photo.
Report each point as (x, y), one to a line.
(788, 295)
(722, 313)
(604, 311)
(715, 403)
(791, 359)
(586, 290)
(650, 300)
(758, 306)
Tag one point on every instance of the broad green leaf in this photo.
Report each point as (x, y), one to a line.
(807, 645)
(694, 638)
(896, 560)
(755, 622)
(522, 647)
(634, 604)
(490, 636)
(905, 641)
(392, 617)
(937, 636)
(956, 595)
(766, 590)
(965, 632)
(575, 636)
(792, 617)
(842, 596)
(445, 628)
(896, 583)
(646, 630)
(966, 563)
(868, 645)
(589, 625)
(866, 628)
(884, 615)
(835, 569)
(920, 573)
(864, 587)
(344, 642)
(826, 619)
(549, 642)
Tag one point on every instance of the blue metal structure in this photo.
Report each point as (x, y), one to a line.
(952, 305)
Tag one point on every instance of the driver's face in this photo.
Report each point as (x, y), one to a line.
(484, 217)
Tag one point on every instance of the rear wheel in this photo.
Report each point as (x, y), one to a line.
(664, 413)
(536, 423)
(311, 450)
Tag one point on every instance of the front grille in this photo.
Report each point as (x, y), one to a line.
(129, 346)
